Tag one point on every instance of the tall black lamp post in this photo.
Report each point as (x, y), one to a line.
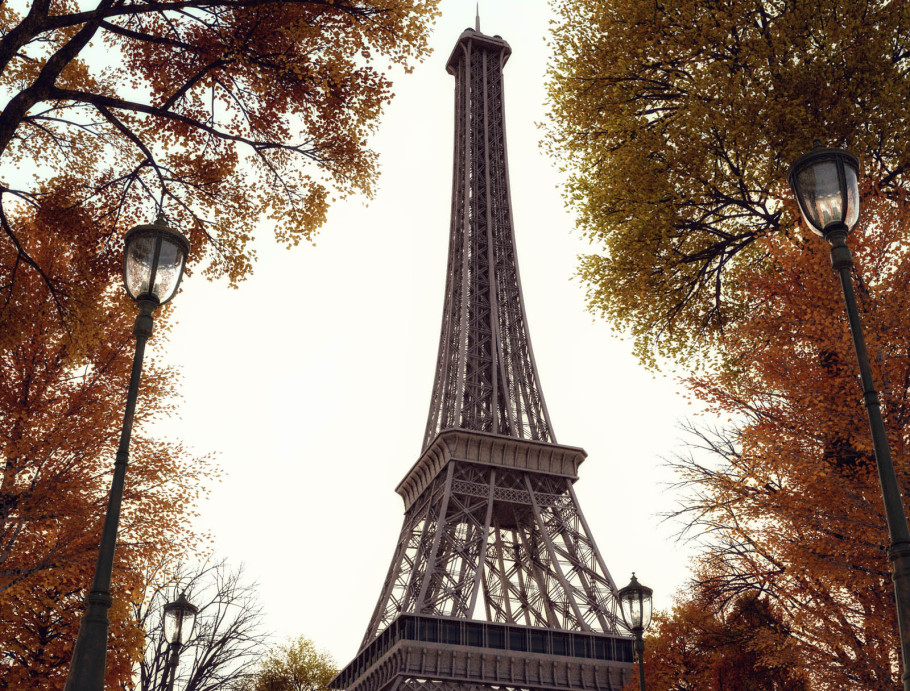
(825, 184)
(635, 610)
(154, 257)
(179, 617)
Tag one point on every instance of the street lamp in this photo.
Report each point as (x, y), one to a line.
(179, 617)
(824, 182)
(635, 610)
(154, 257)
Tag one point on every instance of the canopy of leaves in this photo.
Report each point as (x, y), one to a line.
(220, 112)
(786, 500)
(677, 121)
(297, 665)
(742, 646)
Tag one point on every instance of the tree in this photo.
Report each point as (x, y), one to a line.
(61, 403)
(677, 121)
(297, 665)
(742, 646)
(221, 112)
(786, 498)
(227, 640)
(217, 112)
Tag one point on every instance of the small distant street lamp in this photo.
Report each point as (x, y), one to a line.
(154, 257)
(635, 609)
(179, 617)
(824, 182)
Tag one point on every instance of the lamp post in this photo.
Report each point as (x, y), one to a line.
(635, 610)
(154, 257)
(824, 182)
(179, 617)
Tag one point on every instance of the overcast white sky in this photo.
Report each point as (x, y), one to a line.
(312, 382)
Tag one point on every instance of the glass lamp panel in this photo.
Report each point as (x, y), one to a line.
(820, 194)
(189, 619)
(140, 257)
(852, 197)
(170, 265)
(646, 609)
(173, 625)
(632, 609)
(179, 618)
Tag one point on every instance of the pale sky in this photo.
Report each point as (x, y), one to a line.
(312, 381)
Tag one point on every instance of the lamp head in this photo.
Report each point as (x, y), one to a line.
(824, 182)
(179, 618)
(635, 605)
(153, 261)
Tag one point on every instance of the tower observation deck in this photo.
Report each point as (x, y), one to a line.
(495, 581)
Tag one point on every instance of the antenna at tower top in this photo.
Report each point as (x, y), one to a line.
(477, 19)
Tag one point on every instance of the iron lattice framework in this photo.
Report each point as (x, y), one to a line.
(496, 581)
(497, 535)
(486, 379)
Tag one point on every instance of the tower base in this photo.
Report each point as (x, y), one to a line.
(423, 653)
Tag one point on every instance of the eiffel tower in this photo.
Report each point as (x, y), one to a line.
(496, 581)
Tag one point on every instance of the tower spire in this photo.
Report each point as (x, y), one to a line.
(477, 19)
(486, 379)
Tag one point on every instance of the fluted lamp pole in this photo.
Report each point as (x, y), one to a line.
(179, 617)
(635, 610)
(154, 258)
(825, 183)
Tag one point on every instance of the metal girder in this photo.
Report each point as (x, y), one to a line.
(513, 538)
(406, 571)
(486, 379)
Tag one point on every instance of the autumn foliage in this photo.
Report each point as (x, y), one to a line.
(705, 646)
(788, 491)
(222, 113)
(779, 486)
(61, 403)
(676, 123)
(297, 665)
